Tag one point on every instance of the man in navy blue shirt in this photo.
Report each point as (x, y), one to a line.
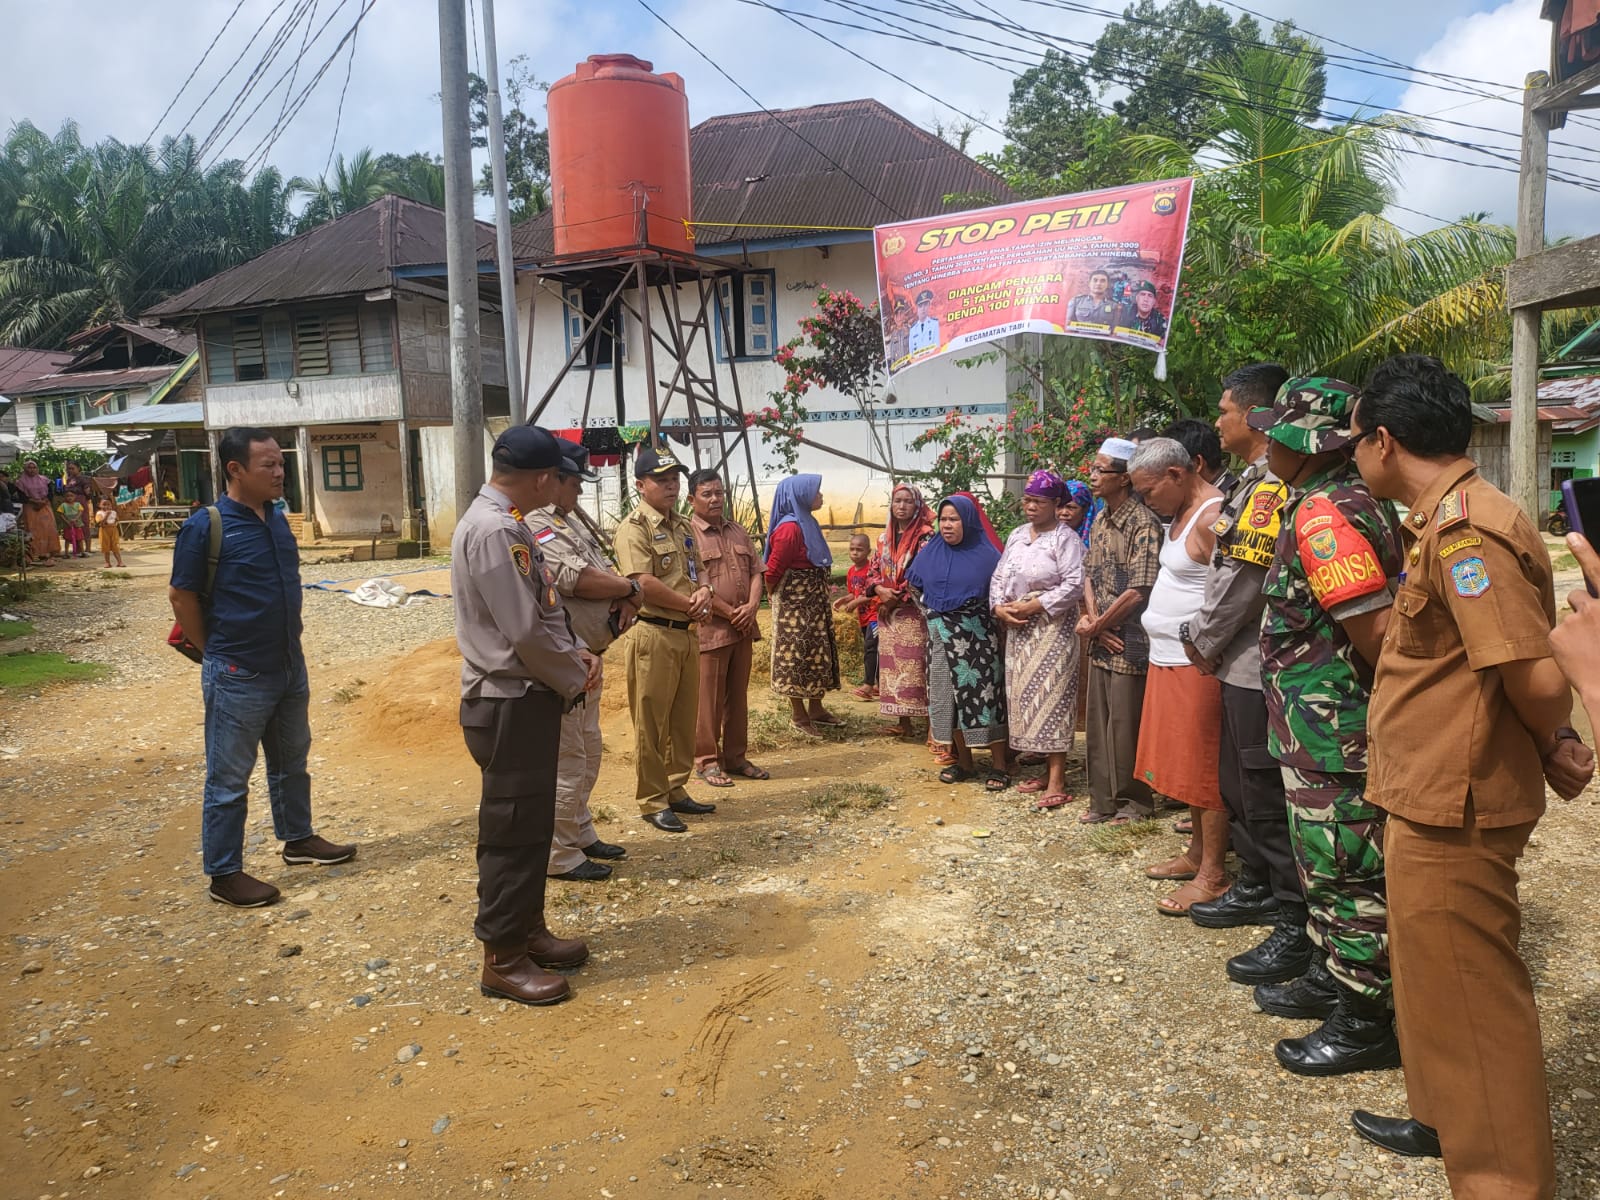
(253, 676)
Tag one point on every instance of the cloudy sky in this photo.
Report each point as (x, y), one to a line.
(115, 68)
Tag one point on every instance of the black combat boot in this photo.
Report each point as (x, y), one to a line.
(1286, 954)
(1313, 996)
(1359, 1036)
(1248, 902)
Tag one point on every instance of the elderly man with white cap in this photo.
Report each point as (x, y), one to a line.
(1123, 560)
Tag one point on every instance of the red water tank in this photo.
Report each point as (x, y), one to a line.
(619, 148)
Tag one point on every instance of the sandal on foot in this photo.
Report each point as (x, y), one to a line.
(954, 774)
(1032, 785)
(894, 731)
(748, 770)
(996, 781)
(827, 718)
(1178, 867)
(1177, 904)
(1052, 800)
(1094, 818)
(864, 693)
(1184, 825)
(715, 776)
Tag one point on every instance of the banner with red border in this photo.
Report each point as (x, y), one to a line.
(1099, 264)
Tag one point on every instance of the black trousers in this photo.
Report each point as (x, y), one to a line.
(869, 655)
(515, 742)
(1252, 789)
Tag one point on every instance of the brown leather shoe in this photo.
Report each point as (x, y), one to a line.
(559, 954)
(509, 974)
(317, 850)
(242, 891)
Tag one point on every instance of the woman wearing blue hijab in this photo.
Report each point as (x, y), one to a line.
(805, 656)
(966, 673)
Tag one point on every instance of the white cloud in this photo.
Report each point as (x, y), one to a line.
(1505, 43)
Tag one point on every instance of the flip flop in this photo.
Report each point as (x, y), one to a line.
(1032, 785)
(954, 774)
(864, 693)
(1178, 903)
(715, 776)
(749, 770)
(1185, 825)
(1052, 800)
(1094, 818)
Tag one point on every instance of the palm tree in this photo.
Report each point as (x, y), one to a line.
(356, 183)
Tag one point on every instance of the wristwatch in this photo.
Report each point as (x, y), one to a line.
(1183, 634)
(638, 591)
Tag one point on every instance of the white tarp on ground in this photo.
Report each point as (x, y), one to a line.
(381, 593)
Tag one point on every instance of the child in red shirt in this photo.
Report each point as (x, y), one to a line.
(861, 601)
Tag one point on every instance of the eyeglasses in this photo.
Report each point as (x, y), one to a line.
(1097, 469)
(1358, 438)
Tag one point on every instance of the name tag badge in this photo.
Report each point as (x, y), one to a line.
(660, 537)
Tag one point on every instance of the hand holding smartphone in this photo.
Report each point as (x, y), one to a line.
(1581, 500)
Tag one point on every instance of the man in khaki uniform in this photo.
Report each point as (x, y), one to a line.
(727, 637)
(600, 604)
(1468, 720)
(520, 670)
(655, 548)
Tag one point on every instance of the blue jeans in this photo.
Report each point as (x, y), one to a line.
(246, 709)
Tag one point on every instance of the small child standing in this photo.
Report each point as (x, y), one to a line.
(861, 601)
(110, 535)
(73, 531)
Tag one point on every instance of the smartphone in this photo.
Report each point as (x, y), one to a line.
(1581, 499)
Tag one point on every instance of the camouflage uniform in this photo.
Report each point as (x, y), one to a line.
(1337, 555)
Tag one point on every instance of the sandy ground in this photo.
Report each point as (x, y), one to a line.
(910, 990)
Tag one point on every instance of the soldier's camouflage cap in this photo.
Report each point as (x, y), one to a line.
(1309, 416)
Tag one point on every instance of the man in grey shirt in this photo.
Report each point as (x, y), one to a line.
(1225, 640)
(521, 669)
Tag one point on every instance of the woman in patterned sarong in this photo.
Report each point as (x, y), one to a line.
(805, 655)
(902, 630)
(1035, 595)
(967, 698)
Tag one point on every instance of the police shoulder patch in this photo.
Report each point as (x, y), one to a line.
(522, 558)
(1471, 577)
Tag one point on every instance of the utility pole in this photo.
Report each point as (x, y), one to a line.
(461, 257)
(502, 214)
(1526, 488)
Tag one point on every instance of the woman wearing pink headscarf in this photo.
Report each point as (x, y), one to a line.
(902, 630)
(44, 541)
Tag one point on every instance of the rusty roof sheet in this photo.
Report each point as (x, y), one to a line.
(96, 381)
(850, 166)
(356, 253)
(19, 367)
(1581, 391)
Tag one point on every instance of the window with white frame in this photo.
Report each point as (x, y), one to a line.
(748, 303)
(610, 339)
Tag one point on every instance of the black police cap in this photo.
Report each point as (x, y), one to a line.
(655, 460)
(527, 448)
(575, 459)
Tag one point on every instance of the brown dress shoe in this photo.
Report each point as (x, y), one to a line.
(509, 974)
(559, 954)
(242, 891)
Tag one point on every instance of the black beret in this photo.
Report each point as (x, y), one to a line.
(527, 448)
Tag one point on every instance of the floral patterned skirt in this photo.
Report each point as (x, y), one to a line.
(805, 657)
(972, 668)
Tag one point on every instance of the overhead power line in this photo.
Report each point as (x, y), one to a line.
(195, 70)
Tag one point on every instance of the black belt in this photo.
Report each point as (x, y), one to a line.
(665, 624)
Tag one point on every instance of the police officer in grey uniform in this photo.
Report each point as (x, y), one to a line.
(521, 670)
(600, 605)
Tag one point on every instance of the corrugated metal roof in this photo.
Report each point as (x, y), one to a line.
(855, 164)
(1581, 391)
(19, 367)
(179, 341)
(356, 253)
(151, 416)
(96, 381)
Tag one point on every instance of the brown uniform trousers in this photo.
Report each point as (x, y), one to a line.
(1464, 786)
(724, 702)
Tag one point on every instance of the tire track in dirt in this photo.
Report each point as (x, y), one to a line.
(717, 1030)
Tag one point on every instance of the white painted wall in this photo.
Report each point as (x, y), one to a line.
(924, 393)
(359, 513)
(18, 422)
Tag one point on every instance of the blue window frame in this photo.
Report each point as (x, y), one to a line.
(750, 300)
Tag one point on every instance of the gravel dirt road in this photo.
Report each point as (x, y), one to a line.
(851, 981)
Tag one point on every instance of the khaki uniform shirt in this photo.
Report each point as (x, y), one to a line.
(1477, 592)
(648, 543)
(731, 563)
(510, 624)
(568, 548)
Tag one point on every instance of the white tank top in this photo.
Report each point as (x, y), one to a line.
(1179, 591)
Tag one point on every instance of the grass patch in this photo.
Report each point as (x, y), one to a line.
(1120, 841)
(345, 695)
(603, 814)
(15, 629)
(43, 669)
(1564, 562)
(107, 574)
(856, 797)
(773, 729)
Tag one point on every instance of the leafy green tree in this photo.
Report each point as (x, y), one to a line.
(355, 183)
(527, 145)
